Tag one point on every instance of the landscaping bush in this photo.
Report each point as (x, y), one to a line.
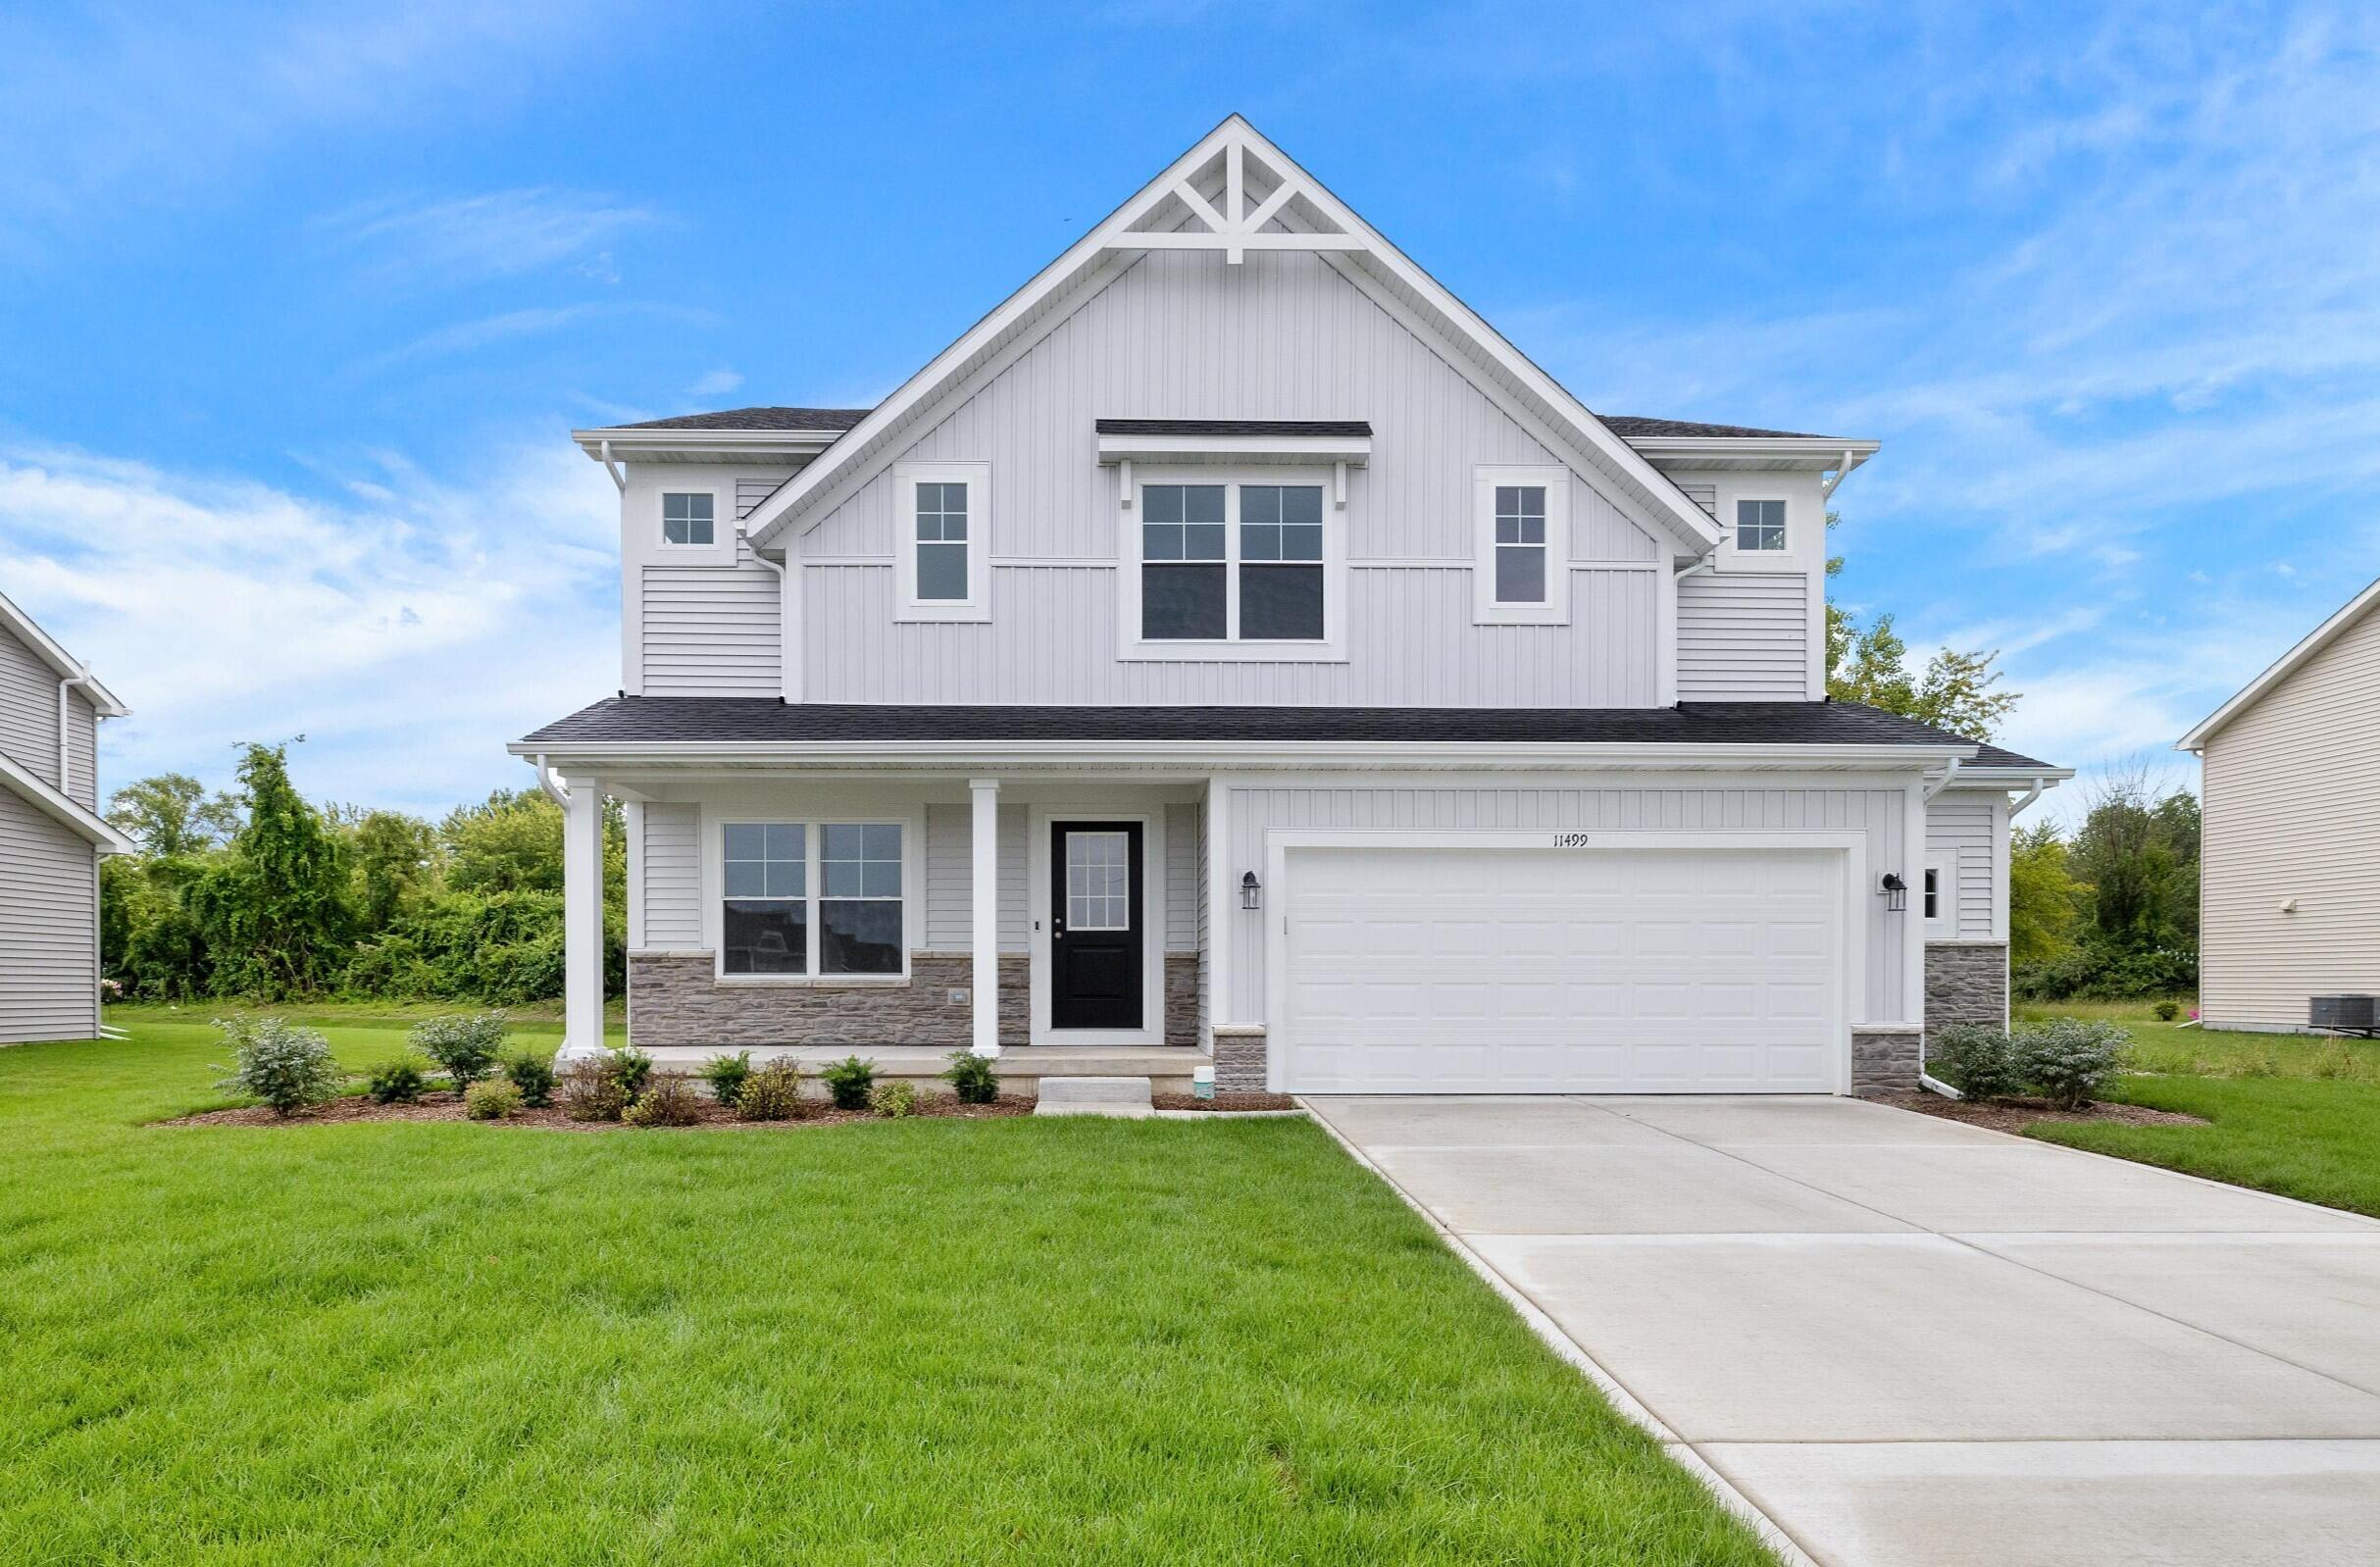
(773, 1092)
(666, 1102)
(2167, 1011)
(632, 1066)
(284, 1066)
(2109, 974)
(590, 1091)
(533, 1075)
(974, 1076)
(491, 1101)
(465, 1046)
(1979, 1062)
(848, 1081)
(894, 1099)
(398, 1082)
(2069, 1059)
(726, 1075)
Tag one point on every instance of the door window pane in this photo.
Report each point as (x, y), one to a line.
(1099, 880)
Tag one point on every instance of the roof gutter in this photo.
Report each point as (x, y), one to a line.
(1950, 770)
(2016, 808)
(1211, 756)
(1851, 459)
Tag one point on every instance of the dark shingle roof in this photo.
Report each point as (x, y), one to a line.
(1233, 427)
(836, 418)
(761, 720)
(1987, 755)
(1629, 428)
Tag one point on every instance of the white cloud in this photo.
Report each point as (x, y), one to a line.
(407, 636)
(500, 233)
(467, 337)
(716, 384)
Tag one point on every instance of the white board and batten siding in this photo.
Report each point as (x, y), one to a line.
(50, 914)
(2288, 789)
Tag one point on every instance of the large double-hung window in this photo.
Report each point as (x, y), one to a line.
(801, 898)
(1233, 561)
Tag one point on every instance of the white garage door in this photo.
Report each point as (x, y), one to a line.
(1595, 971)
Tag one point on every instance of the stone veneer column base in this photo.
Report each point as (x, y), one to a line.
(1240, 1060)
(677, 999)
(1967, 981)
(1886, 1060)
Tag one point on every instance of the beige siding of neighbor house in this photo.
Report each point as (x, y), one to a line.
(2291, 792)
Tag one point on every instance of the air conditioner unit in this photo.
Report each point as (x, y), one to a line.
(2345, 1014)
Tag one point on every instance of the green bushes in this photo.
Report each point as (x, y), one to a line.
(848, 1081)
(590, 1091)
(773, 1092)
(533, 1075)
(496, 1099)
(2167, 1011)
(2101, 972)
(397, 1081)
(666, 1102)
(2065, 1061)
(466, 1047)
(895, 1102)
(973, 1078)
(725, 1074)
(284, 1066)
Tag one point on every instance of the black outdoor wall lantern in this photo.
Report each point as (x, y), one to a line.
(1252, 892)
(1895, 892)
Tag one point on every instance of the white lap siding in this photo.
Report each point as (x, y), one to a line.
(1743, 636)
(1962, 832)
(671, 851)
(950, 879)
(49, 887)
(1881, 814)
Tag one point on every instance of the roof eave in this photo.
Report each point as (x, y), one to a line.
(1816, 454)
(63, 809)
(1227, 755)
(2280, 668)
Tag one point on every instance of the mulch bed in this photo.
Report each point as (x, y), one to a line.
(1224, 1101)
(2014, 1115)
(709, 1115)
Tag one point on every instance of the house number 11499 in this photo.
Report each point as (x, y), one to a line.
(1570, 840)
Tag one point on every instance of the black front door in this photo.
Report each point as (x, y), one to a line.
(1094, 924)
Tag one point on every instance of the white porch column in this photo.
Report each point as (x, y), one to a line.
(985, 919)
(582, 919)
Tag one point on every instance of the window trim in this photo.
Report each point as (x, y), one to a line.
(661, 519)
(1735, 526)
(1331, 648)
(976, 476)
(1943, 875)
(813, 820)
(1486, 608)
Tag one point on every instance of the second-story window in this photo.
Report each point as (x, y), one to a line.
(1520, 565)
(1761, 525)
(1236, 563)
(943, 540)
(1520, 543)
(687, 519)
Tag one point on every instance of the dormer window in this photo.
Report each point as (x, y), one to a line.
(943, 538)
(1759, 525)
(1520, 564)
(687, 518)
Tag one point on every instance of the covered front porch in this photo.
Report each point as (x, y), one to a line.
(1057, 924)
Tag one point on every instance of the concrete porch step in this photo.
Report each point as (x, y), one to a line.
(1123, 1098)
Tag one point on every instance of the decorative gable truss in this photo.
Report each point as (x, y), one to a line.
(1235, 192)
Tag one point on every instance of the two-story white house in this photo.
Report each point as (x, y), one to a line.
(51, 835)
(1231, 647)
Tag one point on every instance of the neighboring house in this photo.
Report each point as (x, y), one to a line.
(51, 836)
(2289, 890)
(1233, 645)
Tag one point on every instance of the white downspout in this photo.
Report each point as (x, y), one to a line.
(2031, 794)
(1950, 770)
(785, 616)
(618, 473)
(81, 676)
(546, 781)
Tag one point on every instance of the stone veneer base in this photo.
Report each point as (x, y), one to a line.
(1967, 981)
(1240, 1060)
(1886, 1060)
(676, 999)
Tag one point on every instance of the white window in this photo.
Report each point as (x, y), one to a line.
(1761, 525)
(687, 518)
(1099, 880)
(1520, 568)
(1936, 901)
(1230, 566)
(798, 900)
(943, 539)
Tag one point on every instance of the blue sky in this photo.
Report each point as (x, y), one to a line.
(301, 301)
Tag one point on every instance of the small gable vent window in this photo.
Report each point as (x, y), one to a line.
(1520, 568)
(1761, 525)
(687, 519)
(944, 517)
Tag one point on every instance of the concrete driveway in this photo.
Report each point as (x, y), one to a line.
(1907, 1341)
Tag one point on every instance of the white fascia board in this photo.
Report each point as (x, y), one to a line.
(627, 443)
(63, 809)
(1353, 450)
(1210, 756)
(808, 493)
(1815, 455)
(2003, 779)
(2281, 668)
(66, 666)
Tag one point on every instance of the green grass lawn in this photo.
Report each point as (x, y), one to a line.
(2291, 1113)
(1009, 1340)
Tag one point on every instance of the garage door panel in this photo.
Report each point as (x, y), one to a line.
(1500, 971)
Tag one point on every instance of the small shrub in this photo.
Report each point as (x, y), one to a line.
(533, 1075)
(493, 1099)
(1979, 1062)
(893, 1100)
(2267, 1065)
(974, 1076)
(2334, 1063)
(589, 1090)
(465, 1046)
(773, 1092)
(725, 1074)
(848, 1081)
(666, 1102)
(284, 1066)
(2069, 1059)
(2167, 1011)
(632, 1066)
(398, 1082)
